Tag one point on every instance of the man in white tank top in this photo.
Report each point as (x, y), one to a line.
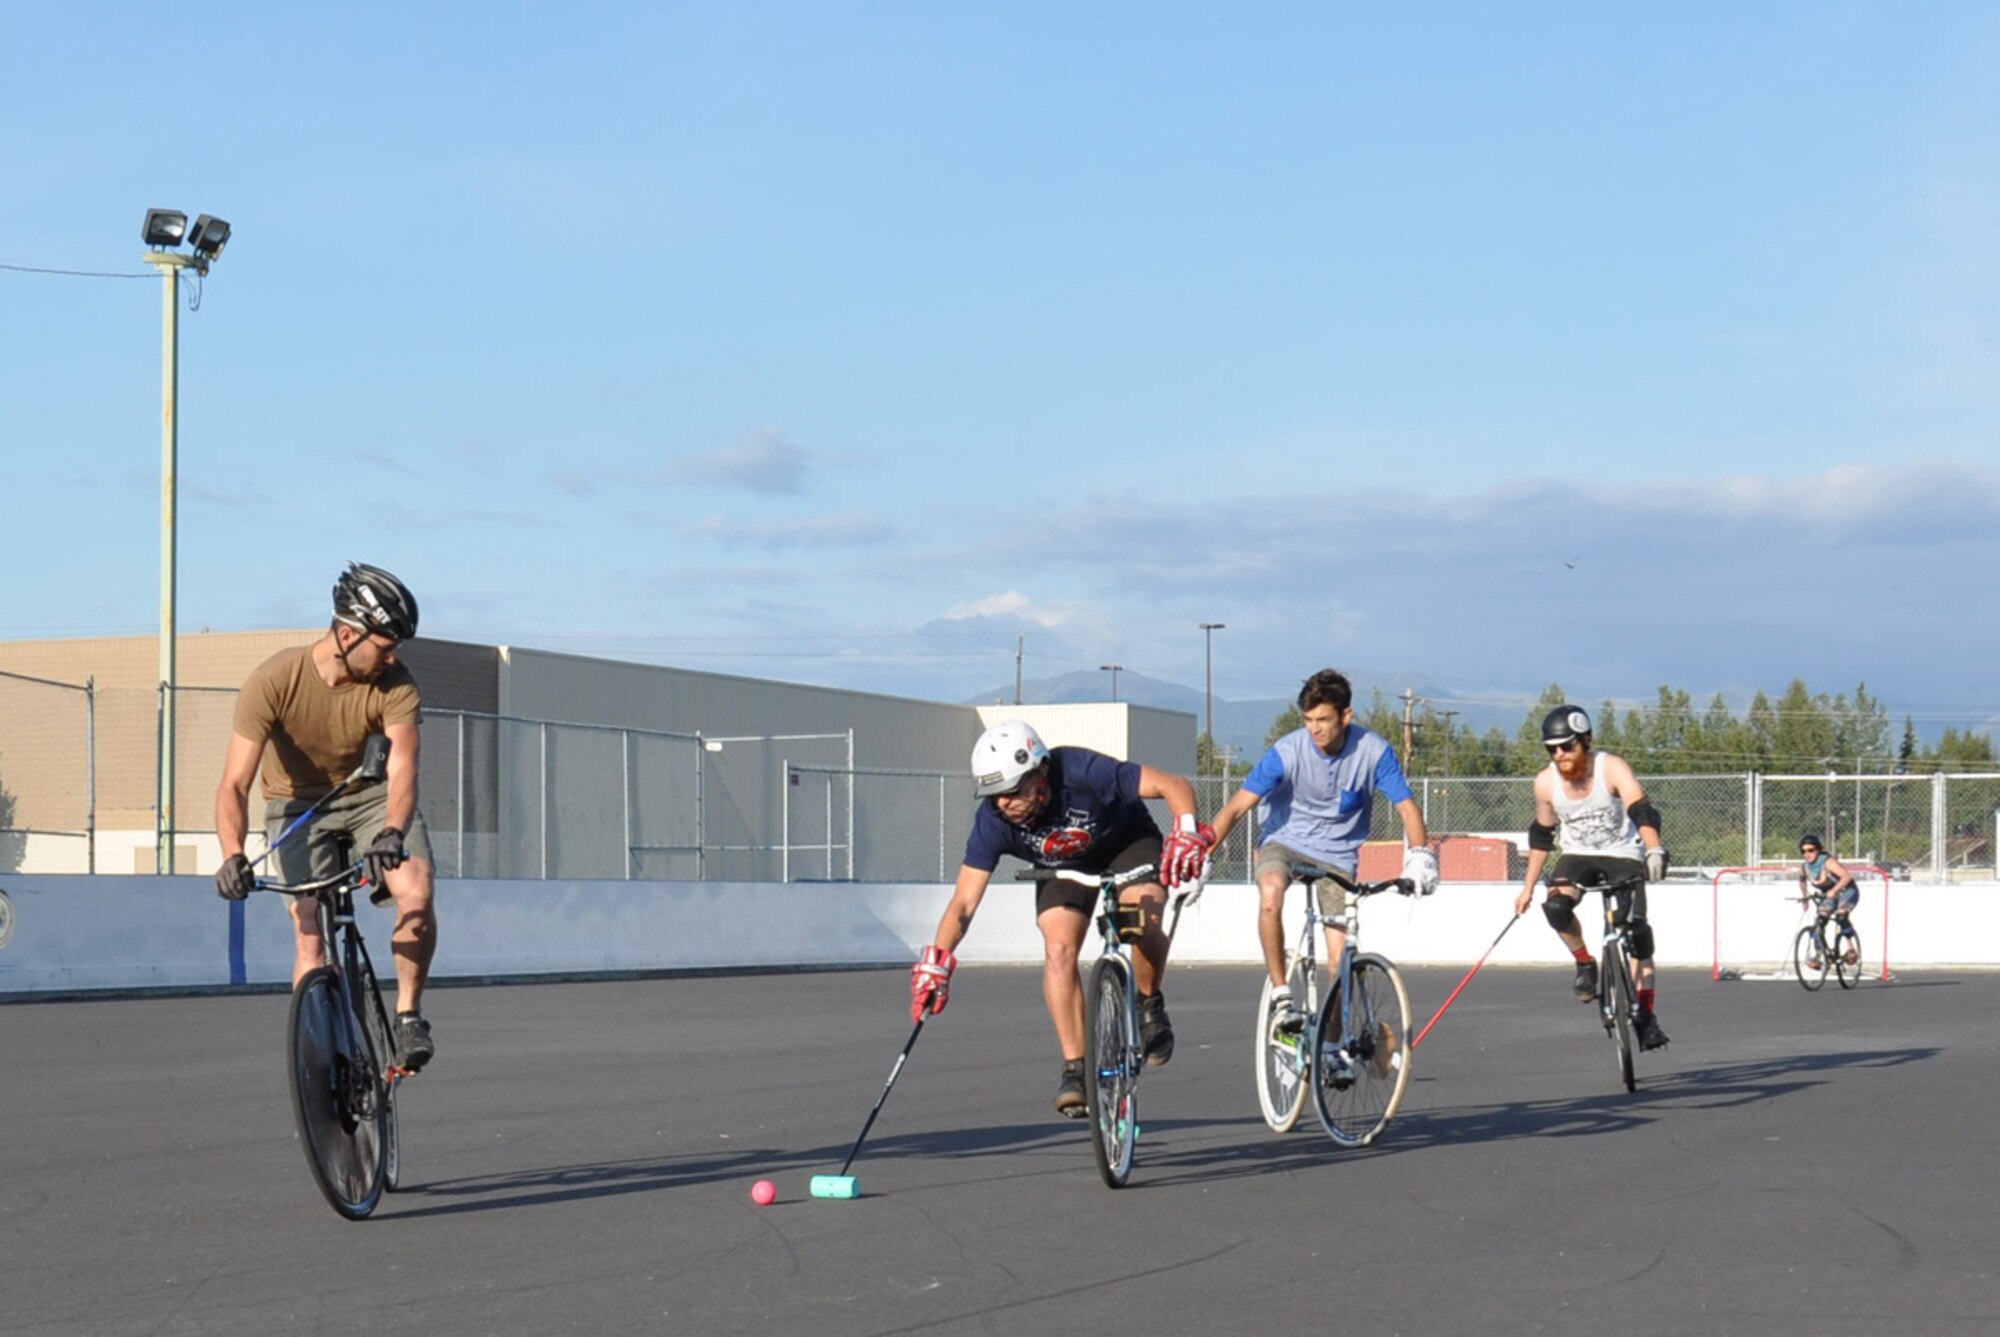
(1609, 830)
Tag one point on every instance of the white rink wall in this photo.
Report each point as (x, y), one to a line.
(83, 933)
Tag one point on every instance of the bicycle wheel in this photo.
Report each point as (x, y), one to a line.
(1809, 958)
(1282, 1059)
(1110, 1070)
(382, 1038)
(1617, 1006)
(336, 1098)
(1362, 1066)
(1849, 971)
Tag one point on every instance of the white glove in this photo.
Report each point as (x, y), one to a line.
(1420, 866)
(1656, 863)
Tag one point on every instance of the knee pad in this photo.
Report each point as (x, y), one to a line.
(1642, 940)
(1560, 911)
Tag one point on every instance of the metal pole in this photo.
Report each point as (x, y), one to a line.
(545, 799)
(461, 793)
(1208, 630)
(700, 814)
(785, 820)
(1996, 826)
(829, 827)
(850, 805)
(625, 746)
(90, 771)
(170, 266)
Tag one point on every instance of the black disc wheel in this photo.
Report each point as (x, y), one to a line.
(1111, 1069)
(1361, 1061)
(337, 1097)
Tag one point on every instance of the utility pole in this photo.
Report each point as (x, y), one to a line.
(1020, 645)
(1208, 630)
(1113, 669)
(1409, 728)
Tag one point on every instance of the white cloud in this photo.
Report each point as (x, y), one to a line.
(765, 461)
(1013, 604)
(854, 529)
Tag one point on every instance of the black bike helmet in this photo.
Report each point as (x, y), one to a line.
(1564, 723)
(1812, 839)
(369, 598)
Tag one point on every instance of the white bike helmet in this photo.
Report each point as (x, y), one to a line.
(1004, 755)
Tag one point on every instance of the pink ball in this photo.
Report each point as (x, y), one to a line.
(763, 1193)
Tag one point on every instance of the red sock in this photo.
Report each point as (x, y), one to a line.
(1645, 1000)
(1582, 955)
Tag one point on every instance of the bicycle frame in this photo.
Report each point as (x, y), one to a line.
(1617, 982)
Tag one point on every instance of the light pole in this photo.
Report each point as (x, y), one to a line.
(1208, 630)
(1113, 670)
(164, 230)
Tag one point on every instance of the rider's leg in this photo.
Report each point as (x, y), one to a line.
(1062, 939)
(1149, 961)
(1271, 885)
(414, 939)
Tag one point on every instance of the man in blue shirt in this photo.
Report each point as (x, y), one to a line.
(1070, 807)
(1318, 787)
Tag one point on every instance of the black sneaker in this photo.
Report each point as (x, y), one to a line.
(1585, 985)
(413, 1041)
(1069, 1091)
(1156, 1033)
(1650, 1034)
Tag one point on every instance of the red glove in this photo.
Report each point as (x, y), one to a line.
(930, 982)
(1185, 852)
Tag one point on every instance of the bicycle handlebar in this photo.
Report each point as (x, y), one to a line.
(355, 873)
(1081, 878)
(1636, 882)
(1311, 873)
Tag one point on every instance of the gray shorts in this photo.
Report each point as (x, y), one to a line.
(334, 837)
(1331, 895)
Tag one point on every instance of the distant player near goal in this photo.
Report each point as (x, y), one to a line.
(1826, 881)
(1609, 831)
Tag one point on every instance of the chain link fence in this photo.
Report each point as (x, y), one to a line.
(506, 797)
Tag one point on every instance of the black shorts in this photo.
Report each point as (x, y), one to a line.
(1075, 896)
(1591, 870)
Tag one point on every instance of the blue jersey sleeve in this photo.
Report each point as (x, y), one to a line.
(1267, 774)
(987, 840)
(1389, 781)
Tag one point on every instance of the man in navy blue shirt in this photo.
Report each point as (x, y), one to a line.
(1069, 807)
(1318, 787)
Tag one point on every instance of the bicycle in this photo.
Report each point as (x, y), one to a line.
(341, 1050)
(1816, 950)
(1617, 996)
(1113, 1056)
(1355, 1060)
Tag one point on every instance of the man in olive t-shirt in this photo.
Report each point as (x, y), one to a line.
(305, 714)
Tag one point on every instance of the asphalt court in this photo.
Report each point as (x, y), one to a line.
(579, 1160)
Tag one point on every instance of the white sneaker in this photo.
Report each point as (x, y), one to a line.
(1286, 1019)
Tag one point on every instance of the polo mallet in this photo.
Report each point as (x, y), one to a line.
(374, 766)
(1461, 985)
(844, 1185)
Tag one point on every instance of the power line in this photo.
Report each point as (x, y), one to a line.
(72, 273)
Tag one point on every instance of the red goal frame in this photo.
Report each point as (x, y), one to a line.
(1789, 872)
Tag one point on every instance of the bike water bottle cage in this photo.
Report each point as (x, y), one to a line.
(1643, 813)
(1541, 837)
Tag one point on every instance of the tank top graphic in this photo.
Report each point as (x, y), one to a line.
(1816, 873)
(1597, 823)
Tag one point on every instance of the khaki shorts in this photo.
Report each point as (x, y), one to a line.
(334, 837)
(1331, 895)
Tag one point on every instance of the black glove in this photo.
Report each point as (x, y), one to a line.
(234, 880)
(386, 853)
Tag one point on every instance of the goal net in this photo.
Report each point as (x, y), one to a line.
(1757, 915)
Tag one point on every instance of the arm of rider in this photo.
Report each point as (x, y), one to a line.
(1620, 780)
(1541, 843)
(930, 977)
(235, 879)
(1420, 864)
(1185, 849)
(1241, 804)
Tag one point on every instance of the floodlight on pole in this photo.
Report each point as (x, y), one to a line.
(163, 230)
(1112, 669)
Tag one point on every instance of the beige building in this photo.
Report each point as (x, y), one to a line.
(534, 764)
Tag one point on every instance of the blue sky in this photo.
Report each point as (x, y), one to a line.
(1474, 345)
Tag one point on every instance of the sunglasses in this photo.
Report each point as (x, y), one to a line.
(1569, 745)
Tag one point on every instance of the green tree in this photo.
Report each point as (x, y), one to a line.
(1906, 753)
(1289, 720)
